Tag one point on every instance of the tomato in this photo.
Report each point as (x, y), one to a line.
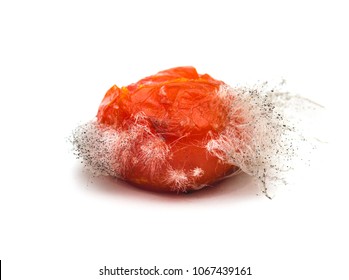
(167, 119)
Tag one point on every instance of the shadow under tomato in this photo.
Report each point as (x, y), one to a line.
(237, 187)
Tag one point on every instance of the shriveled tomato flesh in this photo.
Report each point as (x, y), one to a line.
(183, 109)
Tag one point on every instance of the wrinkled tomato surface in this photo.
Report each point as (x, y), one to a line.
(183, 110)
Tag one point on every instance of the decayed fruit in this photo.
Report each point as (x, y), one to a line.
(164, 123)
(180, 131)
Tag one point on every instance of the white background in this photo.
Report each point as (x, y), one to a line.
(58, 59)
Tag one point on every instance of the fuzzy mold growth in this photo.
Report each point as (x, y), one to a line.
(181, 131)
